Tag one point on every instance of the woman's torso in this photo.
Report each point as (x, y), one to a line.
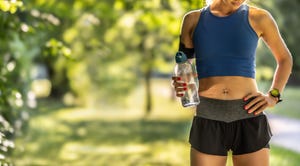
(228, 87)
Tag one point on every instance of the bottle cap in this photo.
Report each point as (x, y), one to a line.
(180, 57)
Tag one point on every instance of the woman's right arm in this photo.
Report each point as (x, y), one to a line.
(186, 45)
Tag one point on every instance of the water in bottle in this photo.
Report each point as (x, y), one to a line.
(184, 69)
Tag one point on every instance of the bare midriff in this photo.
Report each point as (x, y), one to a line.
(227, 87)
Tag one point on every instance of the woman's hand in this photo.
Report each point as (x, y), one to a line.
(259, 102)
(179, 86)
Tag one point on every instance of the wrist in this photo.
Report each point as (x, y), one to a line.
(275, 99)
(275, 94)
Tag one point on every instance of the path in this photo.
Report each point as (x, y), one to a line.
(286, 132)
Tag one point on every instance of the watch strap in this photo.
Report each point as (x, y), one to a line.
(276, 94)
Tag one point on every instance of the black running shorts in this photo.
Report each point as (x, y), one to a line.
(241, 136)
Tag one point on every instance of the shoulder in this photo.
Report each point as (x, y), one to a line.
(192, 14)
(192, 17)
(259, 15)
(261, 20)
(190, 21)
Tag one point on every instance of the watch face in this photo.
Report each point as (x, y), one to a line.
(275, 92)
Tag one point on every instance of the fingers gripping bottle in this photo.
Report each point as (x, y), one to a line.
(187, 72)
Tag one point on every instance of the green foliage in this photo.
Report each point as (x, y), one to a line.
(22, 35)
(13, 93)
(111, 48)
(10, 6)
(55, 48)
(148, 32)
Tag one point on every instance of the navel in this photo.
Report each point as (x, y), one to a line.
(225, 91)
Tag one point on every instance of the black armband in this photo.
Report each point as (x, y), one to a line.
(189, 52)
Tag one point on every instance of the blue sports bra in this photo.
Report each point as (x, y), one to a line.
(225, 46)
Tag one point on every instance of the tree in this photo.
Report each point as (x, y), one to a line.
(150, 30)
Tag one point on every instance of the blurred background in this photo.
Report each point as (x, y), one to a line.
(87, 82)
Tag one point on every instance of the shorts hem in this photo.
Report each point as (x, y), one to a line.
(252, 151)
(209, 153)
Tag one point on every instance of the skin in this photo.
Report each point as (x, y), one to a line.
(238, 87)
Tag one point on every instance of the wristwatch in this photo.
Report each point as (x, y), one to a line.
(275, 93)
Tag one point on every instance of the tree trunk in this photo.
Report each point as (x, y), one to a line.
(148, 98)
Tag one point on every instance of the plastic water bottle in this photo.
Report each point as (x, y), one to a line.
(185, 70)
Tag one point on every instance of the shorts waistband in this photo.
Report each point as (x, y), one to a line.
(223, 110)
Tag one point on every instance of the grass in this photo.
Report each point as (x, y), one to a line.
(116, 136)
(290, 105)
(57, 139)
(283, 157)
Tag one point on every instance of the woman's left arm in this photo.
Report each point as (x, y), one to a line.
(267, 29)
(274, 41)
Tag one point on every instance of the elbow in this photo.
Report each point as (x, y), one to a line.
(286, 63)
(290, 61)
